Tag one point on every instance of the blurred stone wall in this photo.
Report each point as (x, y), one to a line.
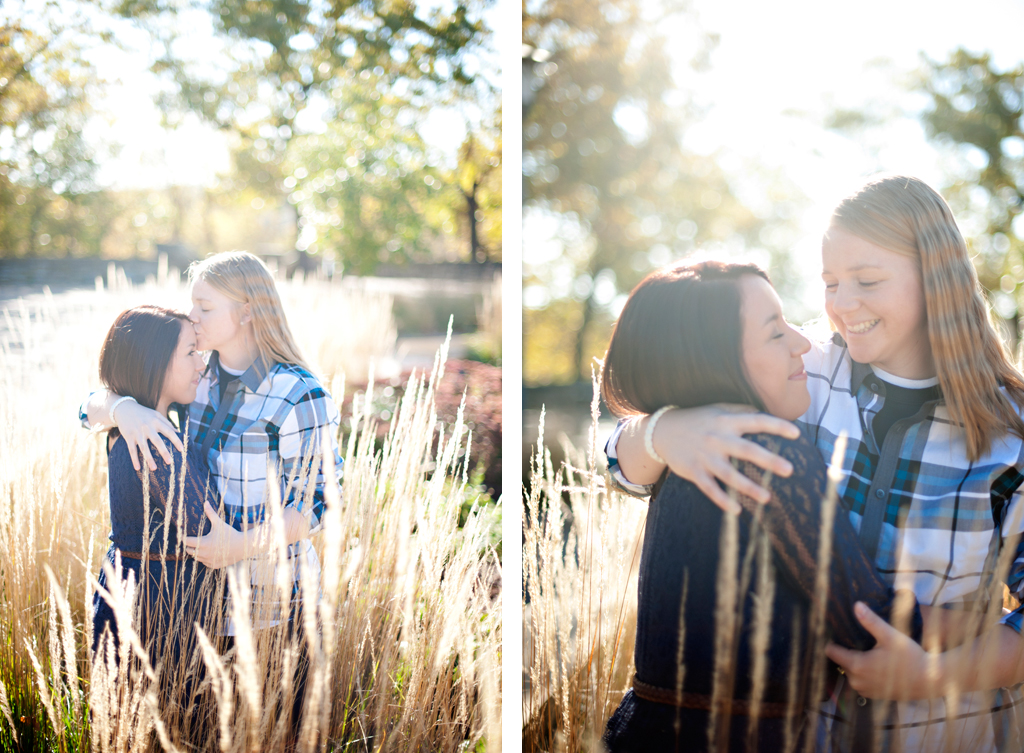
(71, 273)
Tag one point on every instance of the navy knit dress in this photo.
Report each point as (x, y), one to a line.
(174, 593)
(681, 546)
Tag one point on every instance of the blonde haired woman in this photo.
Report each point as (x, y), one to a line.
(258, 417)
(918, 379)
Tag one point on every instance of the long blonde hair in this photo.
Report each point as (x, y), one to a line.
(243, 278)
(907, 216)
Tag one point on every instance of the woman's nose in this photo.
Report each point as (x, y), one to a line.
(842, 299)
(800, 343)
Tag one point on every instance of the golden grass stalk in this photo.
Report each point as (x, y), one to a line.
(726, 593)
(816, 628)
(764, 602)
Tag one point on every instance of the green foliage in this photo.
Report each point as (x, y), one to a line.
(45, 84)
(603, 156)
(977, 109)
(364, 183)
(301, 89)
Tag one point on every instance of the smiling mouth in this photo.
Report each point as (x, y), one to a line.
(860, 329)
(802, 374)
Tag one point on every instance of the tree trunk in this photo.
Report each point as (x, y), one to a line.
(475, 252)
(581, 334)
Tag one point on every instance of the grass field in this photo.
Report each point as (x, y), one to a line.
(404, 647)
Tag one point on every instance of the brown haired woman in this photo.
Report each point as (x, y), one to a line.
(150, 354)
(694, 335)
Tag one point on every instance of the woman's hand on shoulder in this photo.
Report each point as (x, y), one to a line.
(699, 443)
(141, 426)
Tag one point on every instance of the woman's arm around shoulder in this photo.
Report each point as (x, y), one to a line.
(698, 444)
(139, 425)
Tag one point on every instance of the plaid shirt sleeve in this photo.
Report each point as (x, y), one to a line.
(83, 416)
(619, 479)
(300, 438)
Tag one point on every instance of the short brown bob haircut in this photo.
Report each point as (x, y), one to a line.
(678, 341)
(138, 349)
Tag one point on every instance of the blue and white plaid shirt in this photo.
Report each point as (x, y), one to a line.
(944, 522)
(274, 425)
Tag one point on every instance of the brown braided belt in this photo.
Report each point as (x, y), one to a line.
(154, 556)
(687, 700)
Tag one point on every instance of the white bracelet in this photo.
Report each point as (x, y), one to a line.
(649, 432)
(117, 403)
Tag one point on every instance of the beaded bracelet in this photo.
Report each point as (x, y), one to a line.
(117, 403)
(649, 432)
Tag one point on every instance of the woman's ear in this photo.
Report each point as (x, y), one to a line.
(246, 314)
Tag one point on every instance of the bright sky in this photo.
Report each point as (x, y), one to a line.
(799, 56)
(781, 66)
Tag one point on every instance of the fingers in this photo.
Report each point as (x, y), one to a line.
(744, 449)
(734, 408)
(844, 657)
(730, 443)
(756, 423)
(167, 429)
(133, 451)
(729, 475)
(140, 447)
(749, 420)
(153, 436)
(874, 624)
(144, 451)
(716, 494)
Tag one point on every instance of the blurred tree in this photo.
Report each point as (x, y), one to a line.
(45, 164)
(477, 179)
(605, 171)
(365, 185)
(293, 74)
(977, 110)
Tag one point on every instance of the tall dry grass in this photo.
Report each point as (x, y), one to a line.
(582, 542)
(580, 558)
(401, 632)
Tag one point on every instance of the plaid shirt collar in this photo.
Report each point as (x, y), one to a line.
(862, 372)
(252, 378)
(858, 371)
